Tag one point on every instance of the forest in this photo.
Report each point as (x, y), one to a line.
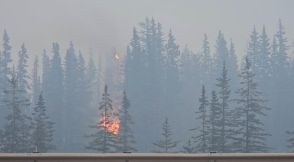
(154, 97)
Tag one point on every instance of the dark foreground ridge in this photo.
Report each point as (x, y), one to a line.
(146, 157)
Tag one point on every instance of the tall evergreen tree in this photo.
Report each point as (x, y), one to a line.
(42, 135)
(16, 136)
(280, 84)
(166, 143)
(227, 120)
(5, 71)
(55, 96)
(23, 76)
(201, 138)
(232, 64)
(222, 53)
(251, 109)
(126, 134)
(102, 140)
(172, 76)
(215, 126)
(264, 71)
(85, 100)
(70, 100)
(92, 78)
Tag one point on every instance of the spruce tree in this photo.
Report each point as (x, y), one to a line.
(72, 101)
(166, 143)
(55, 97)
(264, 67)
(42, 135)
(215, 113)
(5, 71)
(93, 80)
(126, 135)
(232, 64)
(251, 108)
(222, 53)
(228, 126)
(201, 136)
(172, 75)
(103, 140)
(16, 136)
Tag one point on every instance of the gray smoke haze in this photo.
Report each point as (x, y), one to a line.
(106, 24)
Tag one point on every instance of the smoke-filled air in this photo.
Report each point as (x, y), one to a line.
(170, 76)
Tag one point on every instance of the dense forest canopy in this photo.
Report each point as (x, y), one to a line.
(156, 95)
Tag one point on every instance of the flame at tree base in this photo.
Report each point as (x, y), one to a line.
(110, 125)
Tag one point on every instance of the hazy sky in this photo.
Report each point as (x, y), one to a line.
(106, 24)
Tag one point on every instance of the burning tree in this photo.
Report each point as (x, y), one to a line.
(105, 138)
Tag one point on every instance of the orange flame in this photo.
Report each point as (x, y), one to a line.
(111, 125)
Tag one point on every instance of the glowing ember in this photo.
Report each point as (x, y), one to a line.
(111, 125)
(116, 56)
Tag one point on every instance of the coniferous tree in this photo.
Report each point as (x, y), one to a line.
(264, 71)
(55, 95)
(189, 75)
(222, 53)
(214, 129)
(144, 71)
(82, 84)
(103, 140)
(232, 64)
(228, 55)
(92, 79)
(172, 76)
(84, 104)
(166, 143)
(23, 76)
(70, 101)
(228, 132)
(16, 136)
(281, 84)
(5, 71)
(201, 138)
(126, 134)
(251, 109)
(42, 135)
